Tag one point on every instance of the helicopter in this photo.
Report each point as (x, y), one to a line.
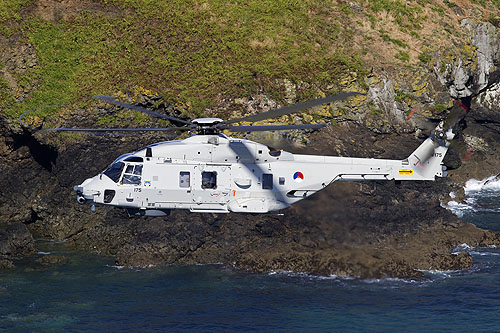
(213, 173)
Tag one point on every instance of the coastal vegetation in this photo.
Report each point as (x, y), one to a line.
(203, 52)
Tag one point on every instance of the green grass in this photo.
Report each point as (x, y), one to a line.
(10, 10)
(424, 57)
(402, 96)
(197, 52)
(406, 14)
(395, 41)
(403, 56)
(185, 51)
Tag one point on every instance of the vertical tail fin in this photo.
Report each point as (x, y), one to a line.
(426, 160)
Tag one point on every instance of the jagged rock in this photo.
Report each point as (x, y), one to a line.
(484, 36)
(475, 70)
(16, 241)
(449, 262)
(490, 98)
(6, 264)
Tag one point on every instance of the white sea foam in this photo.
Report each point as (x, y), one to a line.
(491, 184)
(457, 208)
(477, 253)
(308, 276)
(474, 190)
(43, 253)
(441, 274)
(463, 247)
(116, 266)
(391, 280)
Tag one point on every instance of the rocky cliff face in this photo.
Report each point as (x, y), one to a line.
(349, 229)
(356, 229)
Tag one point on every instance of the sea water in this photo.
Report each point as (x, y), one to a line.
(89, 293)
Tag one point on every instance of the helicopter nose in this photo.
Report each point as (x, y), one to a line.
(85, 191)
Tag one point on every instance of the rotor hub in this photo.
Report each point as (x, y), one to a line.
(207, 126)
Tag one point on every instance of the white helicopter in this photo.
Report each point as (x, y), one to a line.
(213, 173)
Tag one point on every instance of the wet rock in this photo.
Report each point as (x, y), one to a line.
(6, 264)
(16, 241)
(452, 262)
(51, 260)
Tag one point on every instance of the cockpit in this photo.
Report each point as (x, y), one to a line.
(126, 172)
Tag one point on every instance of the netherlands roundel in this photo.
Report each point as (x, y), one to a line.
(298, 176)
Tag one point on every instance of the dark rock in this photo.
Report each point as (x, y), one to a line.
(449, 262)
(6, 264)
(51, 260)
(16, 241)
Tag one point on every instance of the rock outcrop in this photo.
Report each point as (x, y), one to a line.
(15, 242)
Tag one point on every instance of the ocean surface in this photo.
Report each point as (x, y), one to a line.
(89, 293)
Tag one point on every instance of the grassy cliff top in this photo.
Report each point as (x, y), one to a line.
(202, 52)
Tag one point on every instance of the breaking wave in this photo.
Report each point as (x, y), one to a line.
(481, 196)
(491, 250)
(490, 184)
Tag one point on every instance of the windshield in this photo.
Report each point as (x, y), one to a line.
(114, 171)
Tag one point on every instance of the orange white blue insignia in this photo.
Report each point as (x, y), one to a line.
(147, 183)
(298, 176)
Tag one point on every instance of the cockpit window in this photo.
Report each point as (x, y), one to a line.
(131, 180)
(132, 175)
(138, 169)
(133, 159)
(115, 171)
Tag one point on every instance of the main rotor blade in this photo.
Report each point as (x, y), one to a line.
(111, 100)
(67, 129)
(294, 108)
(271, 127)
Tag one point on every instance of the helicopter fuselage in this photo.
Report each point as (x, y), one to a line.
(219, 174)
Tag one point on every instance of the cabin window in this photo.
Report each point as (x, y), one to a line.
(209, 180)
(115, 171)
(267, 181)
(184, 179)
(132, 175)
(282, 180)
